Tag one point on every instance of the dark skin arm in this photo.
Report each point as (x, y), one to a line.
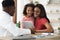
(32, 30)
(48, 30)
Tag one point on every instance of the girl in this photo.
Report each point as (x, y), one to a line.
(28, 14)
(41, 23)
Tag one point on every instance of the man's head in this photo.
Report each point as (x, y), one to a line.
(9, 6)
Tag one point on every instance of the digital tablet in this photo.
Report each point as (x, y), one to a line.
(28, 24)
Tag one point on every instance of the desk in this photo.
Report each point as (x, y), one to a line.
(55, 37)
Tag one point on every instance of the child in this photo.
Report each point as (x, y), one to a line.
(27, 14)
(41, 23)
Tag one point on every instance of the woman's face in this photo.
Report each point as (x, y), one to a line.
(29, 11)
(36, 12)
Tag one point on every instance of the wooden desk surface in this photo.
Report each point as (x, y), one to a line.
(55, 37)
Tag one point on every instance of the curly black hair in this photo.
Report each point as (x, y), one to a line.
(25, 8)
(6, 3)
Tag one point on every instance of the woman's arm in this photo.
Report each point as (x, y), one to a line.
(48, 29)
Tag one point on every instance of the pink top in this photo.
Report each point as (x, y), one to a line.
(26, 19)
(39, 24)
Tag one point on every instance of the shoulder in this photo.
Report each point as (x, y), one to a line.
(23, 18)
(4, 16)
(43, 20)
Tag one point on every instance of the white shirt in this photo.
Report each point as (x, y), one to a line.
(8, 27)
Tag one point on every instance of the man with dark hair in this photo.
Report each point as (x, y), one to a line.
(9, 7)
(7, 27)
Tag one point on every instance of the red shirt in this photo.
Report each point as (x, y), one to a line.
(39, 23)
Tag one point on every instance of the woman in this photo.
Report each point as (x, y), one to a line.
(41, 23)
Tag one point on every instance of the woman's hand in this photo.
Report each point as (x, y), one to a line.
(32, 30)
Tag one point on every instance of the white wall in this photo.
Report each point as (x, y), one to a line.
(20, 7)
(0, 5)
(44, 2)
(20, 4)
(55, 1)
